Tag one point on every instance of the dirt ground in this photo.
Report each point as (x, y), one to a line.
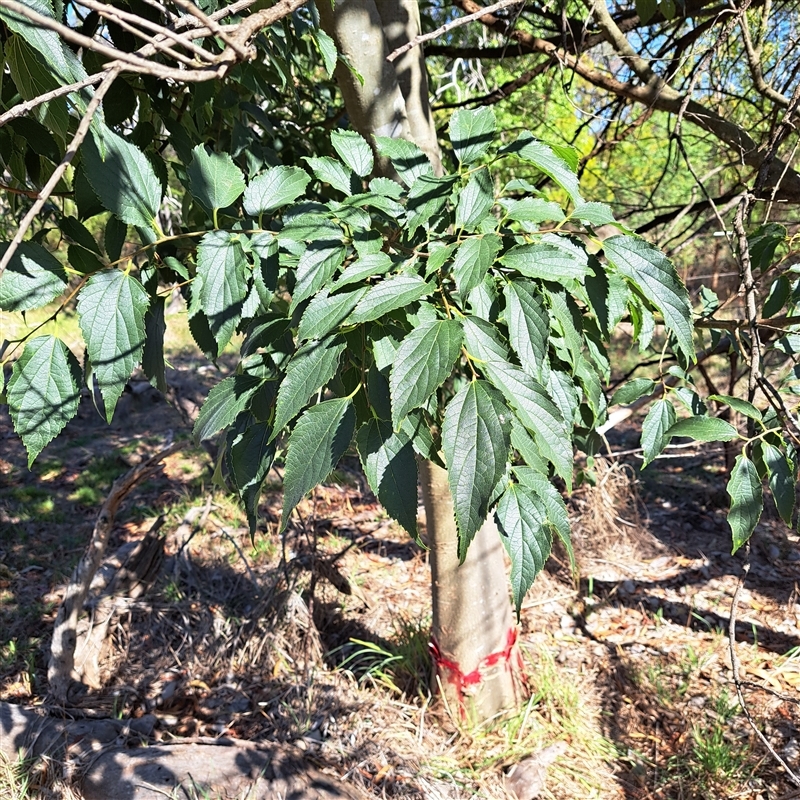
(319, 639)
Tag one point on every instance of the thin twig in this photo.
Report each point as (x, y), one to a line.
(737, 682)
(211, 24)
(456, 23)
(44, 194)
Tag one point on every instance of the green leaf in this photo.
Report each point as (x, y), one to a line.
(781, 480)
(475, 201)
(354, 151)
(224, 403)
(250, 457)
(409, 161)
(111, 309)
(77, 232)
(744, 489)
(427, 198)
(311, 367)
(655, 427)
(329, 170)
(43, 392)
(386, 188)
(395, 292)
(646, 9)
(391, 469)
(554, 505)
(737, 404)
(368, 266)
(325, 312)
(114, 238)
(318, 441)
(214, 180)
(276, 187)
(528, 450)
(649, 269)
(704, 429)
(545, 159)
(632, 390)
(122, 178)
(763, 243)
(521, 518)
(475, 440)
(594, 214)
(153, 364)
(779, 293)
(538, 414)
(223, 270)
(547, 261)
(316, 267)
(472, 133)
(327, 49)
(533, 209)
(528, 324)
(473, 259)
(422, 363)
(32, 278)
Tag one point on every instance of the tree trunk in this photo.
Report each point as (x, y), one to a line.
(474, 636)
(473, 640)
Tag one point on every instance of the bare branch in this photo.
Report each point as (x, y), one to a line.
(456, 23)
(754, 62)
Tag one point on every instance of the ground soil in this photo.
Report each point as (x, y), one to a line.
(319, 638)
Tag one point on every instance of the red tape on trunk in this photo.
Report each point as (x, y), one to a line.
(453, 671)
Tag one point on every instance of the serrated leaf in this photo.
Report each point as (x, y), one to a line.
(223, 269)
(704, 429)
(316, 444)
(593, 214)
(763, 242)
(422, 363)
(32, 278)
(407, 159)
(111, 308)
(737, 404)
(274, 188)
(77, 232)
(649, 269)
(153, 364)
(114, 238)
(43, 392)
(427, 198)
(521, 518)
(533, 209)
(547, 262)
(368, 266)
(483, 298)
(473, 259)
(391, 469)
(528, 324)
(316, 267)
(566, 315)
(779, 293)
(311, 367)
(538, 414)
(386, 188)
(528, 450)
(553, 503)
(475, 441)
(354, 151)
(327, 49)
(333, 172)
(657, 423)
(632, 390)
(744, 489)
(395, 292)
(224, 403)
(781, 480)
(545, 159)
(122, 177)
(472, 132)
(325, 312)
(214, 180)
(250, 454)
(475, 200)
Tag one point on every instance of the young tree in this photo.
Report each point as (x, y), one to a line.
(423, 313)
